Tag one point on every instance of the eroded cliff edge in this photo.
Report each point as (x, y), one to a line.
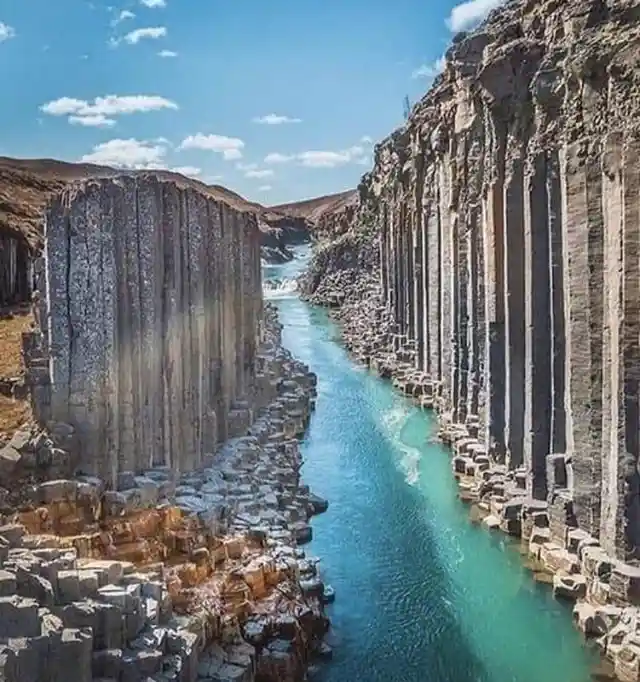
(492, 265)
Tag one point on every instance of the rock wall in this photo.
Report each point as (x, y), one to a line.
(508, 214)
(150, 322)
(16, 270)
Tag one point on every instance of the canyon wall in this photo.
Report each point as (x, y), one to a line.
(507, 217)
(150, 321)
(16, 269)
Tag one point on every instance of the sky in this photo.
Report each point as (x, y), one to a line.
(279, 101)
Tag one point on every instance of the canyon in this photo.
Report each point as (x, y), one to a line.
(489, 266)
(27, 185)
(152, 512)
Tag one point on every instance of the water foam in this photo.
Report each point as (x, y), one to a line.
(285, 288)
(408, 462)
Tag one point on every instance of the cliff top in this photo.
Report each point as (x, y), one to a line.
(27, 185)
(537, 66)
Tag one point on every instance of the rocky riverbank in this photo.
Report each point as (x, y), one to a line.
(605, 592)
(199, 576)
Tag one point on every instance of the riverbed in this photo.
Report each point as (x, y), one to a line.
(423, 595)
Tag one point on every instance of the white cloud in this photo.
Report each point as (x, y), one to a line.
(151, 32)
(123, 16)
(229, 147)
(365, 139)
(275, 157)
(430, 71)
(468, 14)
(323, 159)
(6, 32)
(129, 154)
(264, 188)
(246, 166)
(153, 3)
(95, 121)
(275, 120)
(189, 171)
(167, 53)
(258, 173)
(99, 112)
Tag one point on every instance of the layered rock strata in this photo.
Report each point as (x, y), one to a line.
(505, 215)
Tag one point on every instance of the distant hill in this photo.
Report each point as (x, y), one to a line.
(313, 209)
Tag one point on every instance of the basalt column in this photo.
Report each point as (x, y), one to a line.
(620, 514)
(537, 429)
(515, 307)
(495, 323)
(433, 226)
(447, 284)
(152, 305)
(583, 228)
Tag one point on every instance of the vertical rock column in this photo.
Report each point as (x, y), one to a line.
(515, 307)
(385, 253)
(394, 261)
(433, 240)
(447, 283)
(620, 513)
(583, 227)
(495, 323)
(152, 303)
(538, 399)
(555, 212)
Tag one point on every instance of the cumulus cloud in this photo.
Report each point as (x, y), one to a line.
(167, 53)
(365, 139)
(150, 33)
(130, 154)
(189, 171)
(230, 147)
(323, 159)
(275, 157)
(101, 111)
(123, 16)
(95, 121)
(264, 188)
(6, 32)
(153, 3)
(468, 14)
(430, 71)
(266, 173)
(275, 120)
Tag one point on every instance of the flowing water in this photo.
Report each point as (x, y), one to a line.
(422, 594)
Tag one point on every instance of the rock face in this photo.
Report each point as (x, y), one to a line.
(27, 185)
(150, 323)
(186, 577)
(151, 518)
(506, 215)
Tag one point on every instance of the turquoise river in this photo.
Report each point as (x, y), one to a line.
(422, 594)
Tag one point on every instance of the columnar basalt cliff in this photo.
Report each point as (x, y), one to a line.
(27, 185)
(151, 518)
(151, 318)
(506, 214)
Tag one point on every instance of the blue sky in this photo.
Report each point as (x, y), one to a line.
(276, 100)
